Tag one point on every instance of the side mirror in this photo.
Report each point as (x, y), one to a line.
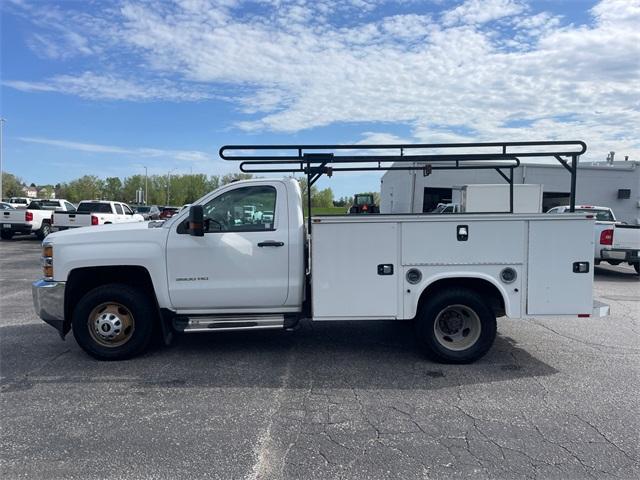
(196, 223)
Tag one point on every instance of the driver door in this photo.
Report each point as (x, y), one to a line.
(242, 261)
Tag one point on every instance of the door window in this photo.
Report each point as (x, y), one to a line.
(127, 210)
(246, 209)
(118, 208)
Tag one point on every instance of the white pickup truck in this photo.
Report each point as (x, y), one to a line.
(21, 202)
(36, 218)
(208, 269)
(96, 212)
(614, 242)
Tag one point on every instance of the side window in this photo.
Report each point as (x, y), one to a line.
(118, 208)
(127, 210)
(245, 209)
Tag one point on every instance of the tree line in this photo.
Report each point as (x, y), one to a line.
(162, 190)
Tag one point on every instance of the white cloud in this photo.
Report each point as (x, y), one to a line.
(108, 86)
(141, 152)
(482, 11)
(457, 74)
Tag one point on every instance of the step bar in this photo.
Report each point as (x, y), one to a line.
(220, 323)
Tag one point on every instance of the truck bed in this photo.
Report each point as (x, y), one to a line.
(349, 255)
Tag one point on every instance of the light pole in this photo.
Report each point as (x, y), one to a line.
(146, 177)
(2, 120)
(168, 182)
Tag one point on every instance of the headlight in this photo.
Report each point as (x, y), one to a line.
(47, 261)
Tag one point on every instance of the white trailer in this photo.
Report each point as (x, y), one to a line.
(494, 198)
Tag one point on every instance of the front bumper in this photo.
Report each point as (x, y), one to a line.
(625, 255)
(48, 300)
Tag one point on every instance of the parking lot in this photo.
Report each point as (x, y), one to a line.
(555, 398)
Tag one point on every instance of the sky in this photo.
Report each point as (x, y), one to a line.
(107, 88)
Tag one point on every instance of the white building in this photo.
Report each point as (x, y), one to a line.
(615, 185)
(30, 192)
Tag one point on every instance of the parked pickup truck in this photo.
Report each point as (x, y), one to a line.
(21, 202)
(36, 218)
(614, 242)
(210, 269)
(96, 212)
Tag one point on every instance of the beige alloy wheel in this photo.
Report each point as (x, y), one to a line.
(457, 327)
(111, 324)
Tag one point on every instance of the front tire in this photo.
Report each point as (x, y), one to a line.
(114, 322)
(456, 326)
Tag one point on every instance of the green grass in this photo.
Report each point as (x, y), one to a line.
(326, 211)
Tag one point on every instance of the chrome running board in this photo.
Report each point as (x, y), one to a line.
(220, 323)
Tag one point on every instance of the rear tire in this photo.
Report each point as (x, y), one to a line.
(6, 235)
(114, 322)
(456, 326)
(45, 230)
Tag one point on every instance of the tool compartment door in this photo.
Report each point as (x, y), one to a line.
(553, 288)
(345, 279)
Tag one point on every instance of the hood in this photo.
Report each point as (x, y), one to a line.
(100, 233)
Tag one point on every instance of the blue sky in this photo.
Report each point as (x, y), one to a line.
(106, 88)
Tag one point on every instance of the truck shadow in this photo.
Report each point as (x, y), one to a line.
(22, 238)
(612, 273)
(363, 355)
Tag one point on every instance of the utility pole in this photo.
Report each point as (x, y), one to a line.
(146, 191)
(168, 182)
(2, 120)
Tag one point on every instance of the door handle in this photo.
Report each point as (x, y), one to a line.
(271, 243)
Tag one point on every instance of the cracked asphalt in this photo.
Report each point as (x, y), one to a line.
(555, 398)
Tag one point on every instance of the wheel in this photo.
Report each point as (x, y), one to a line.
(6, 235)
(456, 326)
(614, 262)
(637, 267)
(114, 322)
(45, 230)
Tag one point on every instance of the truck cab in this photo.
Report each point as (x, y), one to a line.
(257, 266)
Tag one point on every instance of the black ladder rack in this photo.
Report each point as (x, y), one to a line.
(317, 160)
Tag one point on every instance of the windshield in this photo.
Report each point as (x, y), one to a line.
(601, 215)
(364, 199)
(94, 207)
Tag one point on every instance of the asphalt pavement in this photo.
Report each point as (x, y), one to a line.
(555, 398)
